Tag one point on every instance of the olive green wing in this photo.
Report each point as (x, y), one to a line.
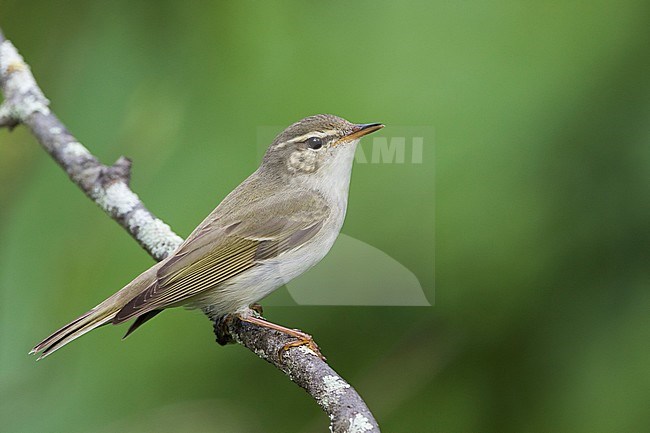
(220, 250)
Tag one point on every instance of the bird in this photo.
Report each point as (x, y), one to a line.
(279, 222)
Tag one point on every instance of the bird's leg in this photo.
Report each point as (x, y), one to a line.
(301, 339)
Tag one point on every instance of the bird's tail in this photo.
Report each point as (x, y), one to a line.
(98, 316)
(94, 318)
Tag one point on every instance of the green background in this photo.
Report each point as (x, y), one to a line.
(539, 218)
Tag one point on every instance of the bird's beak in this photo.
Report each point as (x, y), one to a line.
(359, 131)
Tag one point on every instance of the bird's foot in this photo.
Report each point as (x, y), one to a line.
(301, 338)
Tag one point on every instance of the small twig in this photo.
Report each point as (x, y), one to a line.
(108, 186)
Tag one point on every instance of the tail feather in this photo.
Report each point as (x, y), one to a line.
(57, 333)
(100, 315)
(73, 330)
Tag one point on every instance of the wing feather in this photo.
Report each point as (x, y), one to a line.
(218, 251)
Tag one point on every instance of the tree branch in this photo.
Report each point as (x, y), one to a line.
(108, 186)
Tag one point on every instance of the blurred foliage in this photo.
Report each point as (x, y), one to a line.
(542, 242)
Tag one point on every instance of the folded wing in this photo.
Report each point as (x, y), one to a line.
(220, 249)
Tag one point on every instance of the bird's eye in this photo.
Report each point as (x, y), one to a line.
(315, 143)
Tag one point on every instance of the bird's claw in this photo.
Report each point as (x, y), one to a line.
(302, 339)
